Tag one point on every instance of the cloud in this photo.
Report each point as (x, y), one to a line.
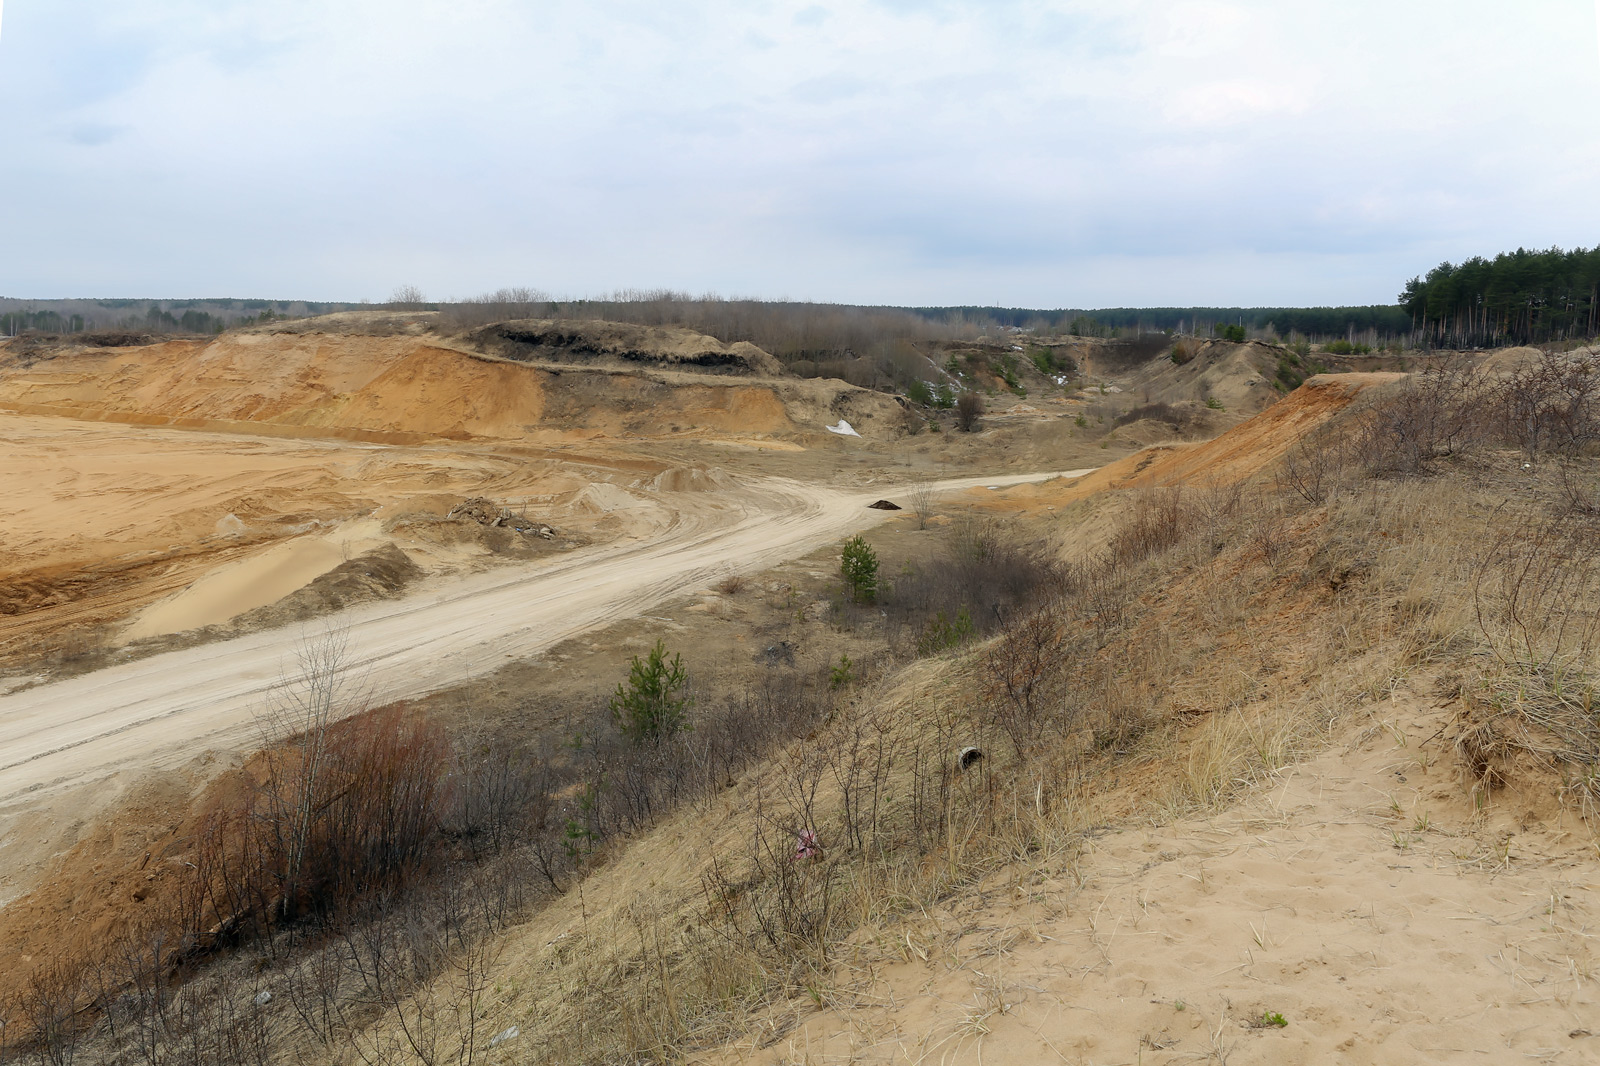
(1233, 100)
(1026, 150)
(92, 134)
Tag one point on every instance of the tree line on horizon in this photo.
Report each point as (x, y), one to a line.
(1521, 297)
(200, 316)
(1314, 323)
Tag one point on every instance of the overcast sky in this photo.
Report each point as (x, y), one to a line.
(1023, 153)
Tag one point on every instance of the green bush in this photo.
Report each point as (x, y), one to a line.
(1236, 334)
(944, 397)
(1346, 348)
(941, 633)
(1008, 374)
(1213, 403)
(841, 674)
(858, 565)
(920, 393)
(648, 707)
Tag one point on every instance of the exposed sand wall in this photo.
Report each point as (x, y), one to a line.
(404, 389)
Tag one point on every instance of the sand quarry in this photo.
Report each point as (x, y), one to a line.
(208, 500)
(183, 511)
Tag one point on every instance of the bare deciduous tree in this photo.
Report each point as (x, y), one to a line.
(324, 690)
(921, 496)
(408, 298)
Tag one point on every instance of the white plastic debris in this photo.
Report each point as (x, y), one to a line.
(844, 429)
(504, 1035)
(263, 998)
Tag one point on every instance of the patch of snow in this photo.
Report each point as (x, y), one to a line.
(844, 429)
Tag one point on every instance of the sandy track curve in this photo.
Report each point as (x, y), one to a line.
(163, 711)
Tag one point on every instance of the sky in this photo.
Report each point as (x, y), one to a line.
(1038, 153)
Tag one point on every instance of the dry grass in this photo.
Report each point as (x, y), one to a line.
(1212, 637)
(1351, 595)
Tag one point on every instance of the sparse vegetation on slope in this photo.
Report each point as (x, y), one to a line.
(1178, 644)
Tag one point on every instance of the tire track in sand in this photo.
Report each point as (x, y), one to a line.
(162, 711)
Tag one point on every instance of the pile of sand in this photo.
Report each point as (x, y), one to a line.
(602, 497)
(690, 479)
(1242, 451)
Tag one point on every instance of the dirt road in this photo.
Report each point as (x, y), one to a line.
(163, 711)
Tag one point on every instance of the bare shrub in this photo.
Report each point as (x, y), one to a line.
(1535, 590)
(731, 585)
(48, 1007)
(408, 298)
(859, 762)
(969, 410)
(1551, 404)
(1313, 469)
(912, 421)
(921, 495)
(982, 578)
(1578, 487)
(493, 798)
(1017, 669)
(502, 305)
(1158, 519)
(1269, 532)
(1536, 596)
(1438, 412)
(1177, 418)
(364, 817)
(1103, 590)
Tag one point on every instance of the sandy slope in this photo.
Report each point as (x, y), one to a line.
(160, 712)
(103, 519)
(1241, 452)
(1358, 897)
(410, 390)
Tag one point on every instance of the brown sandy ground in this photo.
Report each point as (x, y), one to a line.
(1300, 840)
(1357, 897)
(184, 531)
(925, 997)
(300, 430)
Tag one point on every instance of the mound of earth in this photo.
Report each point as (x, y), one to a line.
(381, 573)
(689, 479)
(403, 388)
(1244, 450)
(1185, 420)
(1244, 378)
(619, 343)
(602, 497)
